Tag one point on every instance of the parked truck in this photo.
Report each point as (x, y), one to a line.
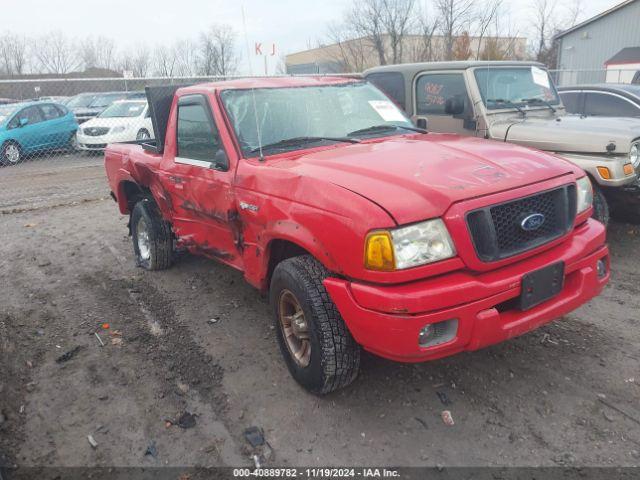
(365, 231)
(517, 102)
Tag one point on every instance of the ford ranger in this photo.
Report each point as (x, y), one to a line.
(365, 231)
(517, 102)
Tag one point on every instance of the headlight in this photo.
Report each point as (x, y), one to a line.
(118, 129)
(634, 155)
(585, 194)
(406, 247)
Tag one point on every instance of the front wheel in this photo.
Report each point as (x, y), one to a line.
(11, 154)
(318, 349)
(72, 145)
(152, 237)
(600, 206)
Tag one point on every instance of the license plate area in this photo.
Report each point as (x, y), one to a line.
(541, 285)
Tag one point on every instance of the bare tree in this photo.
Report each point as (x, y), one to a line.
(55, 53)
(351, 52)
(543, 27)
(164, 61)
(398, 20)
(423, 50)
(186, 56)
(13, 54)
(454, 18)
(462, 47)
(365, 19)
(547, 22)
(218, 53)
(281, 66)
(136, 60)
(98, 52)
(486, 17)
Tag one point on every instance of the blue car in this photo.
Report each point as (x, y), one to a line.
(32, 127)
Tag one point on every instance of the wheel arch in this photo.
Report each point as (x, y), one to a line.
(129, 193)
(278, 250)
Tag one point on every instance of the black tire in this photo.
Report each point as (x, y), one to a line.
(335, 356)
(143, 134)
(72, 145)
(7, 156)
(600, 205)
(156, 251)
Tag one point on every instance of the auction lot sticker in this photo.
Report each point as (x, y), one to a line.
(387, 110)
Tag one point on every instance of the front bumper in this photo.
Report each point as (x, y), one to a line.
(615, 164)
(386, 320)
(92, 147)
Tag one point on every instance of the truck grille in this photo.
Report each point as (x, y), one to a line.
(96, 131)
(500, 231)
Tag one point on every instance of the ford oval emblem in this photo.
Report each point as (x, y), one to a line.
(532, 222)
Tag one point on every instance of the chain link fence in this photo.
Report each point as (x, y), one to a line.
(568, 77)
(45, 118)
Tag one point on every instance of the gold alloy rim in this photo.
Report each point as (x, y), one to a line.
(295, 328)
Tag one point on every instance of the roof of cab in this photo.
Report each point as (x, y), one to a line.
(456, 65)
(271, 82)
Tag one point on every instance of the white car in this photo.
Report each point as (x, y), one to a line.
(123, 121)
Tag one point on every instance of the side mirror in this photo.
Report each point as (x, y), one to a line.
(421, 123)
(24, 122)
(454, 106)
(220, 160)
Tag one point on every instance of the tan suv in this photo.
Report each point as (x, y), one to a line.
(517, 102)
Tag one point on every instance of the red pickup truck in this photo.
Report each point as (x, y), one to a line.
(365, 231)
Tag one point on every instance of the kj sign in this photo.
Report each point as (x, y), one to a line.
(270, 50)
(265, 51)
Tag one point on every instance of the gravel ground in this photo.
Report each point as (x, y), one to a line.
(566, 394)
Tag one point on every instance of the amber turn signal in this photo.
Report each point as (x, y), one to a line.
(378, 253)
(628, 169)
(604, 172)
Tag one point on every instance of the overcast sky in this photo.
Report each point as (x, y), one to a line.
(291, 24)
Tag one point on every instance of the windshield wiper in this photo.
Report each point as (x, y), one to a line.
(507, 103)
(539, 100)
(384, 127)
(296, 141)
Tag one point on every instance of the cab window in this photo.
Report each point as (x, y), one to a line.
(392, 84)
(198, 138)
(434, 89)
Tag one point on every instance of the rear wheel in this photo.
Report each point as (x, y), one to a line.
(11, 154)
(152, 237)
(318, 349)
(600, 205)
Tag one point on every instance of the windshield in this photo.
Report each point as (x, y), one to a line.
(521, 86)
(102, 101)
(80, 101)
(124, 109)
(309, 112)
(6, 111)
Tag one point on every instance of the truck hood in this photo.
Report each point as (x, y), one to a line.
(569, 133)
(418, 177)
